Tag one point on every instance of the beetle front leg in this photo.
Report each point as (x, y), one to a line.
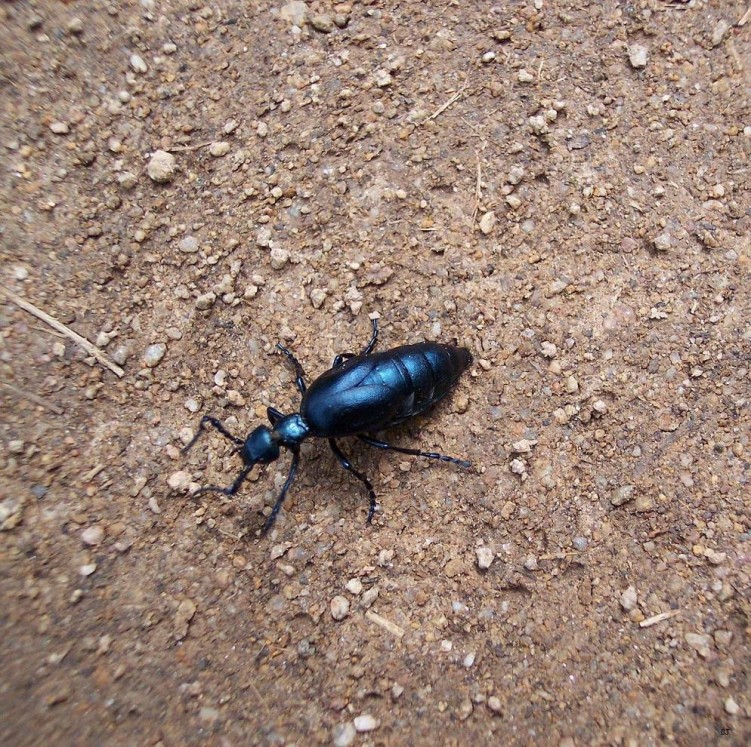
(359, 475)
(214, 422)
(277, 506)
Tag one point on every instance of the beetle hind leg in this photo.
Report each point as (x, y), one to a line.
(359, 475)
(367, 350)
(414, 452)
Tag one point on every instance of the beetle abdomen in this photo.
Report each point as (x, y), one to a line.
(373, 392)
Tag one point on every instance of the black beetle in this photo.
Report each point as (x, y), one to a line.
(359, 394)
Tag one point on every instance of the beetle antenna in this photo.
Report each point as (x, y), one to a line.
(216, 423)
(277, 506)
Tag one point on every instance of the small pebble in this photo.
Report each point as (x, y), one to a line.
(494, 704)
(469, 660)
(162, 167)
(580, 543)
(279, 257)
(15, 446)
(339, 607)
(354, 586)
(88, 569)
(322, 22)
(154, 354)
(137, 63)
(179, 481)
(663, 242)
(485, 558)
(628, 599)
(219, 149)
(637, 56)
(731, 706)
(92, 535)
(189, 245)
(487, 222)
(205, 301)
(343, 735)
(74, 26)
(700, 642)
(622, 495)
(548, 349)
(524, 76)
(59, 128)
(127, 180)
(366, 722)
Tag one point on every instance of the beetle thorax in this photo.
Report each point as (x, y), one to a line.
(290, 430)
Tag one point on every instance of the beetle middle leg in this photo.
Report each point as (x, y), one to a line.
(359, 475)
(299, 371)
(277, 506)
(414, 452)
(367, 350)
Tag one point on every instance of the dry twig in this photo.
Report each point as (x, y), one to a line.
(35, 398)
(89, 347)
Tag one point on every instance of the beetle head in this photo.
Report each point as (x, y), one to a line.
(260, 447)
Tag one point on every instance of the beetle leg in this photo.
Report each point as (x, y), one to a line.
(290, 477)
(300, 373)
(359, 475)
(207, 419)
(414, 452)
(367, 350)
(231, 490)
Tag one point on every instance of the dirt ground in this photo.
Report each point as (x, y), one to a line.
(563, 187)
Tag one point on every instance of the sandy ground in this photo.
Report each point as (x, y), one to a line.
(563, 187)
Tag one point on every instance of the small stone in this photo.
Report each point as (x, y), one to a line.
(538, 125)
(317, 297)
(383, 78)
(548, 349)
(339, 607)
(580, 543)
(15, 446)
(354, 586)
(719, 31)
(700, 642)
(343, 735)
(180, 481)
(219, 149)
(731, 706)
(518, 466)
(513, 201)
(294, 12)
(571, 384)
(279, 257)
(369, 597)
(628, 599)
(488, 57)
(74, 26)
(92, 535)
(663, 242)
(366, 722)
(127, 180)
(88, 569)
(524, 76)
(20, 273)
(714, 557)
(469, 660)
(494, 704)
(638, 55)
(322, 22)
(137, 63)
(205, 301)
(516, 174)
(530, 563)
(644, 503)
(208, 715)
(154, 354)
(59, 128)
(189, 245)
(485, 558)
(487, 222)
(622, 495)
(162, 167)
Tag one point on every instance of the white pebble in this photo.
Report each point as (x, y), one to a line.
(339, 607)
(137, 63)
(154, 354)
(366, 722)
(637, 55)
(549, 350)
(189, 245)
(628, 599)
(88, 569)
(92, 535)
(179, 481)
(219, 149)
(485, 557)
(731, 706)
(279, 257)
(162, 167)
(344, 734)
(487, 222)
(354, 586)
(469, 660)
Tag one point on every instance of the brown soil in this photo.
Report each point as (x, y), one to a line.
(563, 187)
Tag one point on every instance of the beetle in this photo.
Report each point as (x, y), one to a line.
(360, 394)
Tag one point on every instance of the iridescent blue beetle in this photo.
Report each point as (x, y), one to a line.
(358, 395)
